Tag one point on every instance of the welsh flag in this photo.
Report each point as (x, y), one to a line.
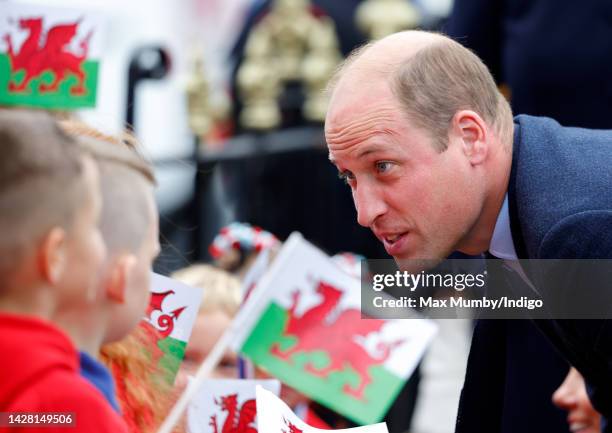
(49, 57)
(172, 312)
(226, 405)
(304, 325)
(275, 417)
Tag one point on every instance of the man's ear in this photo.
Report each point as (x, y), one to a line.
(51, 255)
(118, 273)
(471, 129)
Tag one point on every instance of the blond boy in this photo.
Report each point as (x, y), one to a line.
(129, 226)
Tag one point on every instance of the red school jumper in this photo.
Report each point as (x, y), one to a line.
(39, 372)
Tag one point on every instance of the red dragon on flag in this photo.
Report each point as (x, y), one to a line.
(292, 427)
(165, 322)
(238, 419)
(42, 52)
(323, 328)
(303, 324)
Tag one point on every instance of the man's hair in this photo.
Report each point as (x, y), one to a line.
(40, 187)
(125, 180)
(436, 82)
(446, 77)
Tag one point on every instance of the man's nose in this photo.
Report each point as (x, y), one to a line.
(369, 204)
(563, 398)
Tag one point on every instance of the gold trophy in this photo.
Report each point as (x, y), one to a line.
(259, 83)
(379, 18)
(288, 44)
(318, 67)
(197, 100)
(205, 110)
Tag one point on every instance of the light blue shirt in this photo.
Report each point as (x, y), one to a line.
(502, 245)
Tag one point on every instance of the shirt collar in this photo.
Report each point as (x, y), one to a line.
(502, 245)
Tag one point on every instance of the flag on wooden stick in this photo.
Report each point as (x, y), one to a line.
(226, 405)
(303, 324)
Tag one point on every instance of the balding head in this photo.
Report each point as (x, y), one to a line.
(430, 76)
(420, 133)
(388, 53)
(380, 58)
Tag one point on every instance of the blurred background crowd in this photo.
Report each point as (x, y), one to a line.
(227, 99)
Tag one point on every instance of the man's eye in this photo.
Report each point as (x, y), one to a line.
(383, 166)
(346, 176)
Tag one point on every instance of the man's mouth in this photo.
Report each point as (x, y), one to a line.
(577, 427)
(394, 242)
(391, 239)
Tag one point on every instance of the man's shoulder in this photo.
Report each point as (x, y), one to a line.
(544, 133)
(561, 175)
(583, 235)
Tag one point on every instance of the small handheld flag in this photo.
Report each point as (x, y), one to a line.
(49, 57)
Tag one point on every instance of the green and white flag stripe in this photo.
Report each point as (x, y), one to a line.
(317, 342)
(173, 311)
(49, 56)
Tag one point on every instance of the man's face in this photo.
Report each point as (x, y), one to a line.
(420, 203)
(85, 249)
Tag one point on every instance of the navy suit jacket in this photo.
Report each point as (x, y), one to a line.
(553, 54)
(560, 200)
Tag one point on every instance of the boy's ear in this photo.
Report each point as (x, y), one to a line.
(118, 276)
(52, 255)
